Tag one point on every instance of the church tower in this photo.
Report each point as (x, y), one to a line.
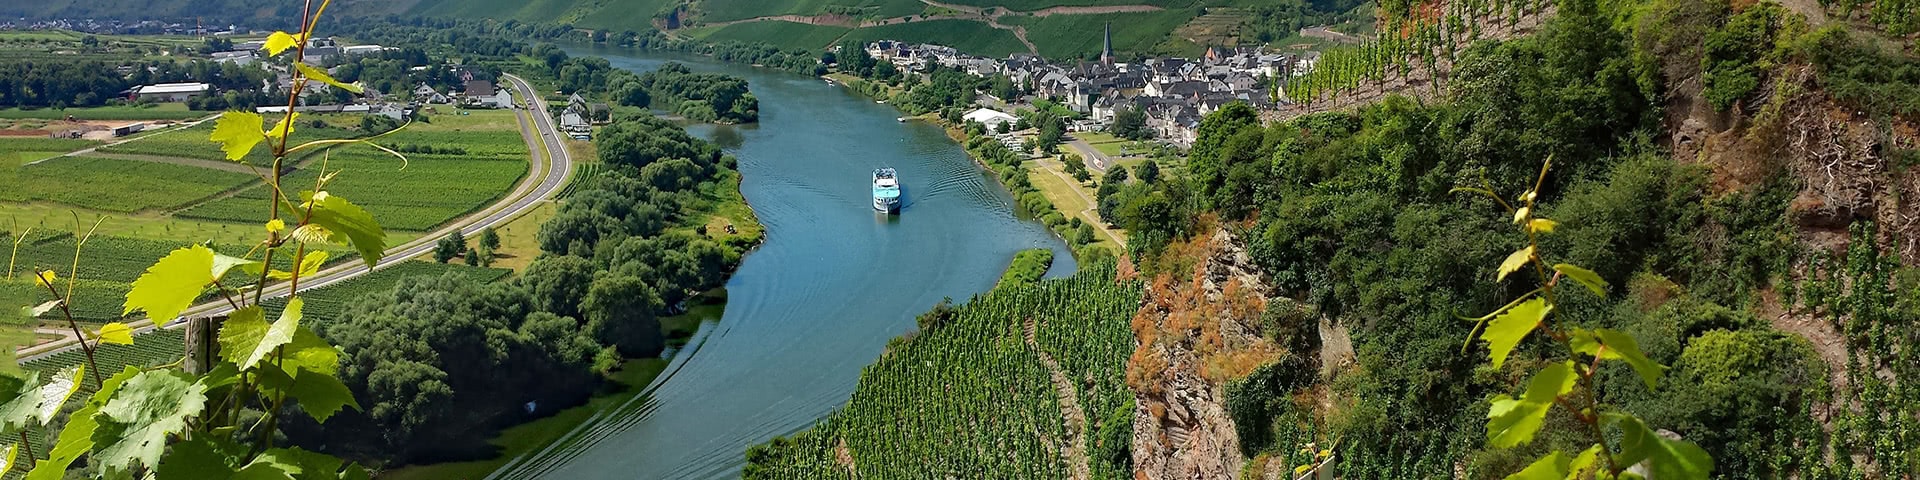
(1106, 54)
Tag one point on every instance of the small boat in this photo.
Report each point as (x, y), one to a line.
(886, 191)
(900, 119)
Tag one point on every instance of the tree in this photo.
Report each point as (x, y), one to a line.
(489, 240)
(558, 283)
(1149, 172)
(1130, 123)
(453, 245)
(620, 312)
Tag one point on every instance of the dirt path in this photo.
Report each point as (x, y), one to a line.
(1070, 411)
(1324, 33)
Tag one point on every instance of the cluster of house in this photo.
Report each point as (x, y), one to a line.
(578, 119)
(1173, 93)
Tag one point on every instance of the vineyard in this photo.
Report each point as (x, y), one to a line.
(479, 133)
(1874, 415)
(423, 193)
(1417, 47)
(191, 142)
(117, 185)
(107, 265)
(970, 395)
(326, 303)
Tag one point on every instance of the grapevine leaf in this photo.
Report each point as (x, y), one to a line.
(1521, 214)
(221, 375)
(171, 284)
(355, 472)
(237, 133)
(115, 333)
(6, 459)
(347, 223)
(281, 41)
(1550, 467)
(1506, 330)
(76, 438)
(285, 127)
(137, 420)
(309, 265)
(223, 263)
(1586, 277)
(195, 459)
(57, 391)
(320, 394)
(309, 351)
(1512, 422)
(1541, 225)
(322, 76)
(1584, 463)
(308, 465)
(45, 278)
(1628, 350)
(1669, 459)
(42, 309)
(247, 338)
(24, 406)
(1514, 261)
(270, 465)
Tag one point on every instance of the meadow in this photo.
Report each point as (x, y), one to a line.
(424, 192)
(778, 33)
(116, 185)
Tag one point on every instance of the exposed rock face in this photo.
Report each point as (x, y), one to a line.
(1181, 428)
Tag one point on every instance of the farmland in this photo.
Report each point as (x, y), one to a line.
(422, 193)
(117, 185)
(17, 151)
(107, 265)
(192, 142)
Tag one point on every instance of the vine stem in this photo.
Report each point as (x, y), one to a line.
(93, 368)
(31, 460)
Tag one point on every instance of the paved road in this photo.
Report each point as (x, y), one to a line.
(1096, 161)
(548, 175)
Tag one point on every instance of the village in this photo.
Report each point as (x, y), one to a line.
(1172, 93)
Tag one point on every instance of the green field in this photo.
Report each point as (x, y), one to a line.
(1079, 36)
(116, 185)
(972, 398)
(968, 36)
(779, 33)
(108, 263)
(162, 111)
(424, 192)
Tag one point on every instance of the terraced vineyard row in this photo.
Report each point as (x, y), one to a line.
(117, 185)
(968, 398)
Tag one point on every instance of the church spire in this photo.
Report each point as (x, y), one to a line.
(1106, 54)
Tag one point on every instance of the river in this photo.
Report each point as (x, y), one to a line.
(821, 298)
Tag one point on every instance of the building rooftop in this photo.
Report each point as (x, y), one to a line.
(164, 88)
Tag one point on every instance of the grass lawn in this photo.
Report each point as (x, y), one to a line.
(728, 206)
(1061, 193)
(582, 151)
(518, 238)
(527, 437)
(1108, 144)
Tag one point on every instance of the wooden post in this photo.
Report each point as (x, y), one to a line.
(203, 344)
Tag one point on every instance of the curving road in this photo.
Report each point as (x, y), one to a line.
(547, 175)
